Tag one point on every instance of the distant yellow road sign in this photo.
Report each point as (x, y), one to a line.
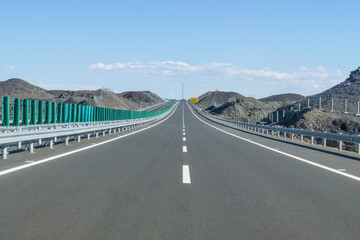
(194, 100)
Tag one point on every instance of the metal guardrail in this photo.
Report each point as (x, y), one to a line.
(289, 132)
(11, 129)
(52, 133)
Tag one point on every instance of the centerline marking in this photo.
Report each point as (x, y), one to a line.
(186, 174)
(184, 139)
(184, 149)
(281, 152)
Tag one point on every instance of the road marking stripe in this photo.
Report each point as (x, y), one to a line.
(184, 139)
(183, 130)
(184, 149)
(81, 149)
(183, 133)
(280, 152)
(186, 174)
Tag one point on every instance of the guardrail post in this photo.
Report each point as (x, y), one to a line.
(4, 151)
(16, 112)
(358, 148)
(97, 134)
(51, 143)
(78, 138)
(311, 140)
(301, 138)
(340, 145)
(31, 146)
(5, 111)
(32, 112)
(278, 134)
(284, 135)
(292, 136)
(66, 140)
(88, 135)
(18, 145)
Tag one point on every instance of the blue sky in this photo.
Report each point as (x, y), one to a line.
(256, 48)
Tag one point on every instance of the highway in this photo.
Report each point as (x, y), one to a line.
(184, 177)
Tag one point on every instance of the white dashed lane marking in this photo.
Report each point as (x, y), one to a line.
(186, 174)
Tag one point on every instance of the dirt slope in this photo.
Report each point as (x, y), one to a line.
(18, 88)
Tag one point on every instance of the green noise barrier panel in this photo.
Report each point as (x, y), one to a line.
(5, 111)
(39, 112)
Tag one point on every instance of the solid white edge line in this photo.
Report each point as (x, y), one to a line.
(280, 152)
(81, 149)
(186, 174)
(184, 149)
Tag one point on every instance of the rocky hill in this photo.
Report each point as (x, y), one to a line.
(294, 110)
(349, 91)
(217, 98)
(350, 87)
(100, 98)
(287, 97)
(221, 103)
(142, 98)
(311, 117)
(18, 88)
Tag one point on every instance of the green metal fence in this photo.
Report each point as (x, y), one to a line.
(43, 112)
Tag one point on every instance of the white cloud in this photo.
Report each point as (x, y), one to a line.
(10, 67)
(301, 80)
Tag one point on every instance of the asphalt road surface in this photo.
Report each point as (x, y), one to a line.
(184, 179)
